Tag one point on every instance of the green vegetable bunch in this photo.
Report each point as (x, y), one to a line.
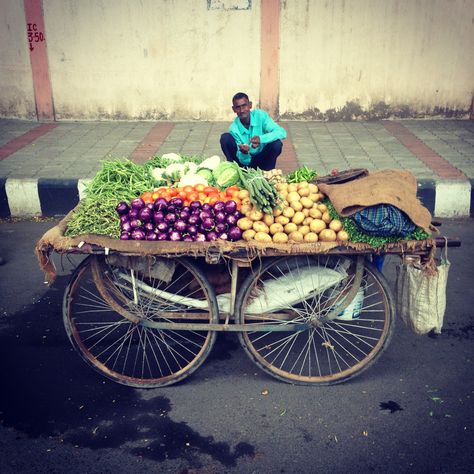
(301, 174)
(263, 194)
(117, 180)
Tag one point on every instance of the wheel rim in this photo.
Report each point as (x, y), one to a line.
(128, 352)
(327, 351)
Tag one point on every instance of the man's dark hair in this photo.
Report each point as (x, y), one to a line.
(240, 95)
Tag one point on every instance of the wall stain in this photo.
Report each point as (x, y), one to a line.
(353, 111)
(49, 392)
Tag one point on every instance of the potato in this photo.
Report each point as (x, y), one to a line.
(275, 228)
(259, 226)
(306, 202)
(335, 225)
(281, 186)
(317, 225)
(298, 218)
(290, 227)
(326, 217)
(246, 201)
(244, 223)
(248, 234)
(314, 197)
(307, 220)
(303, 191)
(322, 207)
(292, 187)
(268, 219)
(296, 205)
(283, 220)
(262, 237)
(305, 212)
(327, 235)
(276, 212)
(303, 229)
(302, 184)
(246, 208)
(243, 193)
(288, 212)
(280, 238)
(310, 237)
(255, 215)
(295, 236)
(293, 196)
(342, 235)
(313, 188)
(315, 213)
(283, 193)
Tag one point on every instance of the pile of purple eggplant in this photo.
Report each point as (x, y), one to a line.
(172, 220)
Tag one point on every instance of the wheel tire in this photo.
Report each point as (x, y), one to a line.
(331, 352)
(125, 350)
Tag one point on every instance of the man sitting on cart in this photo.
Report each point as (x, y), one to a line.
(254, 139)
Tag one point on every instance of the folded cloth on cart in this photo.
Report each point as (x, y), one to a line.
(394, 187)
(383, 220)
(275, 294)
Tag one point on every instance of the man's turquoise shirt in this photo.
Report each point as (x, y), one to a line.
(261, 125)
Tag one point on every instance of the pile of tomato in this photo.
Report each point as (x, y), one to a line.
(199, 192)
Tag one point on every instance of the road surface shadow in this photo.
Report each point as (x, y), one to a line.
(48, 391)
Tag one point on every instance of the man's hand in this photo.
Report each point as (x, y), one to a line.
(255, 141)
(244, 148)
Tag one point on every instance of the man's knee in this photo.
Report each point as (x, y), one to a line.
(227, 140)
(276, 147)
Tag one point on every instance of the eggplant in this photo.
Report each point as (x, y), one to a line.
(235, 233)
(145, 214)
(160, 204)
(122, 208)
(138, 234)
(219, 206)
(137, 203)
(230, 206)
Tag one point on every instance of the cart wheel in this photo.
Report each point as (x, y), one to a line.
(103, 319)
(323, 351)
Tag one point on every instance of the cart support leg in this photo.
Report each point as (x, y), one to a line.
(233, 289)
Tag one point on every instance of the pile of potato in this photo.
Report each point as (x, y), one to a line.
(302, 218)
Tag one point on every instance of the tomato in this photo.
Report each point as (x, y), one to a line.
(156, 195)
(186, 202)
(193, 196)
(210, 190)
(183, 195)
(202, 197)
(238, 202)
(231, 190)
(172, 192)
(147, 197)
(188, 189)
(213, 199)
(199, 187)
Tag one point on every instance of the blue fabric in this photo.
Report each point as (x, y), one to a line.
(261, 125)
(384, 220)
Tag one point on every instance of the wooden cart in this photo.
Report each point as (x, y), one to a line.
(145, 314)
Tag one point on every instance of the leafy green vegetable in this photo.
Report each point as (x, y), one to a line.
(227, 174)
(206, 173)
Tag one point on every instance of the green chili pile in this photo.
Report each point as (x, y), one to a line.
(117, 180)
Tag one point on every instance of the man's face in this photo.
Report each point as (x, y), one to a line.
(242, 108)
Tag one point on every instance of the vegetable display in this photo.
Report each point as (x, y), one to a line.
(191, 198)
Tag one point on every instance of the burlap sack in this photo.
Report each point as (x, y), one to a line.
(394, 187)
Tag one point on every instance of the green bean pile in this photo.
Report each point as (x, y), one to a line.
(358, 236)
(117, 180)
(301, 174)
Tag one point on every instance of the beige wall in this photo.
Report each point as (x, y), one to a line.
(412, 55)
(16, 85)
(180, 60)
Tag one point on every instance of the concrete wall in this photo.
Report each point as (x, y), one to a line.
(183, 59)
(343, 58)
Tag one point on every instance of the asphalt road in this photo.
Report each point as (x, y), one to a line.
(412, 411)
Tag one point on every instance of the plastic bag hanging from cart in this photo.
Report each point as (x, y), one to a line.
(421, 295)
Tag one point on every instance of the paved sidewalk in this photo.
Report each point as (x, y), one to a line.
(44, 167)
